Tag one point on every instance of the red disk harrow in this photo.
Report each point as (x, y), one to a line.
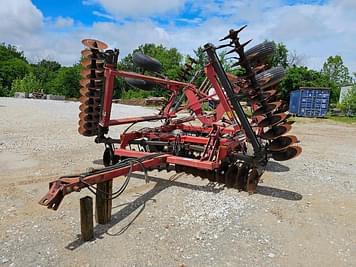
(222, 145)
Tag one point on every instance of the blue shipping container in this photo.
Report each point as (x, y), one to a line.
(309, 102)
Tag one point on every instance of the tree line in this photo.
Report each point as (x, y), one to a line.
(47, 76)
(18, 75)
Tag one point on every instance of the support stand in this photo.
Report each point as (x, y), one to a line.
(86, 218)
(103, 203)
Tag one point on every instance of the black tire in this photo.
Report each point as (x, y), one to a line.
(141, 84)
(109, 158)
(272, 76)
(146, 62)
(260, 53)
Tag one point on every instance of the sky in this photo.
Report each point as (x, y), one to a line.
(52, 29)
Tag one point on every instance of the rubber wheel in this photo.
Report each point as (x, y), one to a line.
(260, 53)
(141, 84)
(146, 62)
(109, 158)
(272, 76)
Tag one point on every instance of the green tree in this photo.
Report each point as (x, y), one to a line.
(9, 52)
(3, 91)
(45, 71)
(348, 105)
(27, 84)
(335, 69)
(337, 73)
(297, 77)
(12, 69)
(280, 56)
(66, 82)
(13, 65)
(201, 58)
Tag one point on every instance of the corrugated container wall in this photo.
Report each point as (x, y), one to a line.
(309, 102)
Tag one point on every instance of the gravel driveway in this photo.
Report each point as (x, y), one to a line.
(303, 215)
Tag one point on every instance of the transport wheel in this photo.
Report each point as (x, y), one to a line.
(270, 77)
(147, 62)
(260, 53)
(109, 158)
(141, 84)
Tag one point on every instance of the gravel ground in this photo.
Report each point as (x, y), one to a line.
(303, 215)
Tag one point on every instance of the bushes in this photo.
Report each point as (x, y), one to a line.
(3, 90)
(65, 82)
(136, 94)
(27, 84)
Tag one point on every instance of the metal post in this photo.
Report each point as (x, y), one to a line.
(86, 218)
(103, 202)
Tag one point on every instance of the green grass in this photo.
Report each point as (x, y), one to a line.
(342, 119)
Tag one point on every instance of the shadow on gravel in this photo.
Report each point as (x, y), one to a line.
(274, 166)
(138, 204)
(278, 193)
(98, 162)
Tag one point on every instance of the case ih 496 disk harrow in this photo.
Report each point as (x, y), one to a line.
(223, 145)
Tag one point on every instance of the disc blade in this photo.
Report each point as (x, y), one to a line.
(230, 176)
(290, 122)
(89, 100)
(92, 74)
(289, 153)
(94, 44)
(89, 92)
(89, 117)
(263, 97)
(259, 68)
(89, 108)
(273, 120)
(91, 83)
(90, 121)
(86, 132)
(92, 64)
(86, 63)
(88, 125)
(284, 107)
(276, 131)
(99, 73)
(249, 92)
(282, 142)
(241, 178)
(267, 108)
(265, 80)
(88, 73)
(252, 181)
(91, 54)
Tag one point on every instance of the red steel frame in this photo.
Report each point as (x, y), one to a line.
(215, 146)
(190, 91)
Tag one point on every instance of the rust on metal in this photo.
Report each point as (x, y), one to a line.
(94, 44)
(212, 145)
